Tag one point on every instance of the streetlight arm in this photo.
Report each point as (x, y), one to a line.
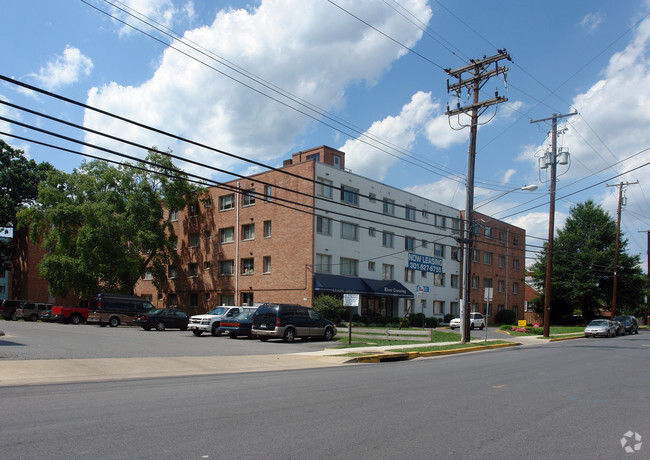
(527, 188)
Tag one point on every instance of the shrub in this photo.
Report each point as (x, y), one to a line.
(432, 322)
(448, 317)
(506, 317)
(330, 307)
(417, 320)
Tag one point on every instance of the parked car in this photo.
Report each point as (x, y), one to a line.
(161, 319)
(8, 308)
(239, 325)
(46, 315)
(630, 323)
(475, 320)
(30, 311)
(211, 321)
(620, 327)
(74, 315)
(290, 321)
(600, 327)
(116, 309)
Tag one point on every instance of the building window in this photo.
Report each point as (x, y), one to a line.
(247, 298)
(266, 264)
(515, 241)
(489, 232)
(206, 265)
(226, 299)
(487, 283)
(454, 281)
(409, 275)
(148, 274)
(248, 232)
(193, 209)
(387, 272)
(267, 229)
(372, 197)
(502, 261)
(226, 235)
(207, 203)
(172, 300)
(192, 270)
(227, 202)
(438, 307)
(173, 215)
(410, 213)
(425, 243)
(248, 198)
(441, 221)
(387, 239)
(475, 255)
(268, 192)
(337, 161)
(324, 187)
(425, 214)
(475, 282)
(315, 157)
(515, 288)
(389, 207)
(439, 250)
(323, 225)
(193, 300)
(226, 267)
(501, 286)
(371, 231)
(349, 267)
(323, 263)
(371, 265)
(502, 236)
(206, 235)
(349, 231)
(487, 258)
(248, 266)
(423, 274)
(171, 272)
(438, 279)
(515, 264)
(455, 225)
(455, 254)
(349, 195)
(194, 240)
(409, 243)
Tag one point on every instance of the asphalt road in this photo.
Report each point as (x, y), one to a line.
(38, 340)
(573, 399)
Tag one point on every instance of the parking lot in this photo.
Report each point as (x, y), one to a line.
(38, 340)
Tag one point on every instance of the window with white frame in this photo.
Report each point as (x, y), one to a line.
(227, 202)
(247, 266)
(439, 250)
(502, 236)
(193, 209)
(515, 264)
(441, 221)
(371, 231)
(193, 240)
(323, 225)
(148, 274)
(372, 197)
(349, 267)
(226, 235)
(172, 272)
(502, 261)
(226, 267)
(409, 212)
(248, 197)
(266, 264)
(515, 241)
(515, 288)
(438, 307)
(409, 243)
(324, 187)
(349, 231)
(192, 270)
(475, 282)
(475, 255)
(268, 192)
(438, 279)
(389, 207)
(487, 258)
(349, 195)
(267, 229)
(501, 286)
(489, 232)
(387, 239)
(409, 275)
(387, 271)
(173, 215)
(248, 232)
(206, 265)
(323, 263)
(455, 280)
(371, 265)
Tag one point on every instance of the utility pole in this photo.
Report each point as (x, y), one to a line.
(618, 237)
(647, 294)
(552, 162)
(479, 74)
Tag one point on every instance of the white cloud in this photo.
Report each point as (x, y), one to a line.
(591, 21)
(161, 11)
(282, 41)
(65, 69)
(445, 191)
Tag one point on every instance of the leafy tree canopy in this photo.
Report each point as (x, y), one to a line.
(103, 225)
(583, 267)
(19, 179)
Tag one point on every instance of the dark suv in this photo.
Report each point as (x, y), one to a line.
(290, 321)
(8, 308)
(630, 324)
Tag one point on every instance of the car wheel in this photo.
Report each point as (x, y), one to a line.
(76, 319)
(197, 333)
(215, 330)
(14, 316)
(452, 327)
(232, 335)
(471, 326)
(160, 326)
(482, 326)
(183, 327)
(636, 332)
(263, 338)
(289, 335)
(33, 317)
(329, 334)
(113, 322)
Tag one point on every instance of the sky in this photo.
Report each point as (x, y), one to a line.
(264, 79)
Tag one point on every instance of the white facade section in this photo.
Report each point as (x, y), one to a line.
(378, 229)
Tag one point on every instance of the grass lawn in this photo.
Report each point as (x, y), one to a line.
(380, 341)
(425, 348)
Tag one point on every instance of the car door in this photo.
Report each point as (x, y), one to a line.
(301, 321)
(316, 324)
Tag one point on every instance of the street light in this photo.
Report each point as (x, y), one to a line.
(525, 188)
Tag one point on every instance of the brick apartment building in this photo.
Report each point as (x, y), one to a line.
(498, 262)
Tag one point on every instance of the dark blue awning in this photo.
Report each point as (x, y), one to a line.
(352, 285)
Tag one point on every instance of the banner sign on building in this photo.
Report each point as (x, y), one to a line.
(421, 290)
(425, 263)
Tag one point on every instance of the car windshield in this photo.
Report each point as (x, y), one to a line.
(598, 322)
(245, 315)
(157, 311)
(218, 311)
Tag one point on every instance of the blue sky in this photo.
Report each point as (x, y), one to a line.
(372, 69)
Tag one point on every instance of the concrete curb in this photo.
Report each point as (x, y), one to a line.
(388, 357)
(559, 339)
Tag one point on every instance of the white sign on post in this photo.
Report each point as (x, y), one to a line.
(350, 300)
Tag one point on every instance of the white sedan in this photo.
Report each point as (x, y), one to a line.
(601, 327)
(475, 320)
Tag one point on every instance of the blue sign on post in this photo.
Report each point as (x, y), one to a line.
(425, 263)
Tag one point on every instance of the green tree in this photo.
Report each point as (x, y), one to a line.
(583, 267)
(103, 225)
(19, 179)
(330, 307)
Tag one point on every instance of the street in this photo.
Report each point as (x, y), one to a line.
(573, 399)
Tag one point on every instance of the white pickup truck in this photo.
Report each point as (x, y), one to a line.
(211, 321)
